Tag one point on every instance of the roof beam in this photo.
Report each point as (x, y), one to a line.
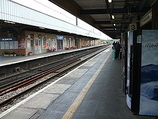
(114, 31)
(110, 27)
(112, 22)
(102, 22)
(114, 11)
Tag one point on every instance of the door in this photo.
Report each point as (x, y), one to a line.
(39, 45)
(32, 43)
(60, 44)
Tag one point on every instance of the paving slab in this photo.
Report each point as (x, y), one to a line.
(41, 101)
(90, 63)
(72, 77)
(21, 113)
(77, 73)
(57, 88)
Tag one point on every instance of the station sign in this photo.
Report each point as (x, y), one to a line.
(146, 18)
(59, 37)
(7, 39)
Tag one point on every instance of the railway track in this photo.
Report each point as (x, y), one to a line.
(33, 78)
(41, 75)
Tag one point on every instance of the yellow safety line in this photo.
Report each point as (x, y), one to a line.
(72, 109)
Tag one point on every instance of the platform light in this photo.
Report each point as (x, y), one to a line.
(110, 1)
(113, 17)
(114, 24)
(41, 27)
(10, 22)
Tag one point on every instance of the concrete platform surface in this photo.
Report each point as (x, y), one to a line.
(91, 91)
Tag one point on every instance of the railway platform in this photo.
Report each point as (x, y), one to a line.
(9, 60)
(91, 91)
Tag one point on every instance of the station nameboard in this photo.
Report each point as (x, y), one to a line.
(146, 18)
(8, 39)
(60, 37)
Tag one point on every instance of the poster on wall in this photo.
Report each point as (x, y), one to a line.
(149, 73)
(22, 45)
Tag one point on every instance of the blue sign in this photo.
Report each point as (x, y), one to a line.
(8, 39)
(60, 37)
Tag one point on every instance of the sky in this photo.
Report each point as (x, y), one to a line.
(51, 9)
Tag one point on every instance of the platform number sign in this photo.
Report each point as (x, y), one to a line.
(133, 27)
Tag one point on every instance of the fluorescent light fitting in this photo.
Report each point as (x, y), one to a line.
(109, 1)
(41, 27)
(113, 17)
(10, 22)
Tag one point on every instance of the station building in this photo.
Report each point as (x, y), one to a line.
(32, 42)
(33, 33)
